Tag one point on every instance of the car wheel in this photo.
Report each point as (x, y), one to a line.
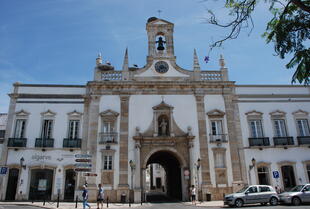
(273, 201)
(238, 203)
(296, 201)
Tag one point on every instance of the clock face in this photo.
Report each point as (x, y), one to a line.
(161, 67)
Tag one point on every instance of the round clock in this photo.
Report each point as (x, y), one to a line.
(161, 67)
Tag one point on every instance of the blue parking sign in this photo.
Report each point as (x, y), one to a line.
(3, 170)
(275, 174)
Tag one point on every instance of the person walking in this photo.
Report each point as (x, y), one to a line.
(193, 194)
(85, 197)
(100, 196)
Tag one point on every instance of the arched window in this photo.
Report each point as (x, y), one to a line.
(263, 175)
(163, 125)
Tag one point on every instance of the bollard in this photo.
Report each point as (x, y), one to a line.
(76, 201)
(107, 201)
(58, 201)
(44, 200)
(129, 199)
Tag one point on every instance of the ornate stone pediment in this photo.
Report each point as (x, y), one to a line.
(216, 113)
(163, 106)
(22, 113)
(278, 113)
(48, 113)
(75, 114)
(109, 113)
(300, 113)
(254, 113)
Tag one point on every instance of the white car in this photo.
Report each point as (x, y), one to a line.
(252, 194)
(296, 196)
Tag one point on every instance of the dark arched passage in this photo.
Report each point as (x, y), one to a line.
(173, 173)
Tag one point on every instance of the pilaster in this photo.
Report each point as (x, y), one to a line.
(204, 155)
(123, 142)
(235, 142)
(10, 120)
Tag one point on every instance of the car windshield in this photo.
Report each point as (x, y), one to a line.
(297, 188)
(243, 189)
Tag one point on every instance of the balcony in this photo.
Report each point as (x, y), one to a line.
(286, 140)
(110, 137)
(44, 142)
(17, 142)
(72, 143)
(259, 141)
(218, 138)
(303, 140)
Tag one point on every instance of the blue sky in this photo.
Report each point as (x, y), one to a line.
(57, 41)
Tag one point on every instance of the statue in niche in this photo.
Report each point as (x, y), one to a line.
(163, 127)
(161, 43)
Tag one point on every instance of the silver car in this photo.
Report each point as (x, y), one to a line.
(299, 194)
(252, 194)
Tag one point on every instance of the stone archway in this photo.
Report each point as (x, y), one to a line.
(173, 170)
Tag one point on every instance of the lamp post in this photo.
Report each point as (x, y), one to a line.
(198, 182)
(253, 161)
(132, 167)
(21, 161)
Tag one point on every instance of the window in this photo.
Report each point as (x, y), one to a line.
(256, 128)
(264, 189)
(216, 127)
(303, 127)
(107, 127)
(219, 160)
(19, 131)
(263, 175)
(280, 130)
(252, 190)
(47, 129)
(74, 126)
(107, 162)
(2, 134)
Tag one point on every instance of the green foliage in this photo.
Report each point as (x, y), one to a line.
(288, 30)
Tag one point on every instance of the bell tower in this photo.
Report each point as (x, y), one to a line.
(160, 39)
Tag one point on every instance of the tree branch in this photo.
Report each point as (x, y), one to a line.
(301, 5)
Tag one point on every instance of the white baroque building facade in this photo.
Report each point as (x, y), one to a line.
(203, 129)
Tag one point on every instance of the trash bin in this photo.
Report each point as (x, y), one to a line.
(123, 197)
(208, 196)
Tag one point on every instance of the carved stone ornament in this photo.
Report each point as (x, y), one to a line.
(216, 113)
(48, 113)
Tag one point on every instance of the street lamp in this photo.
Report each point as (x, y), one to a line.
(21, 161)
(198, 183)
(132, 167)
(250, 168)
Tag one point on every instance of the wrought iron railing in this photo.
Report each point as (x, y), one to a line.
(110, 137)
(303, 140)
(284, 140)
(218, 138)
(72, 143)
(17, 142)
(44, 142)
(259, 141)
